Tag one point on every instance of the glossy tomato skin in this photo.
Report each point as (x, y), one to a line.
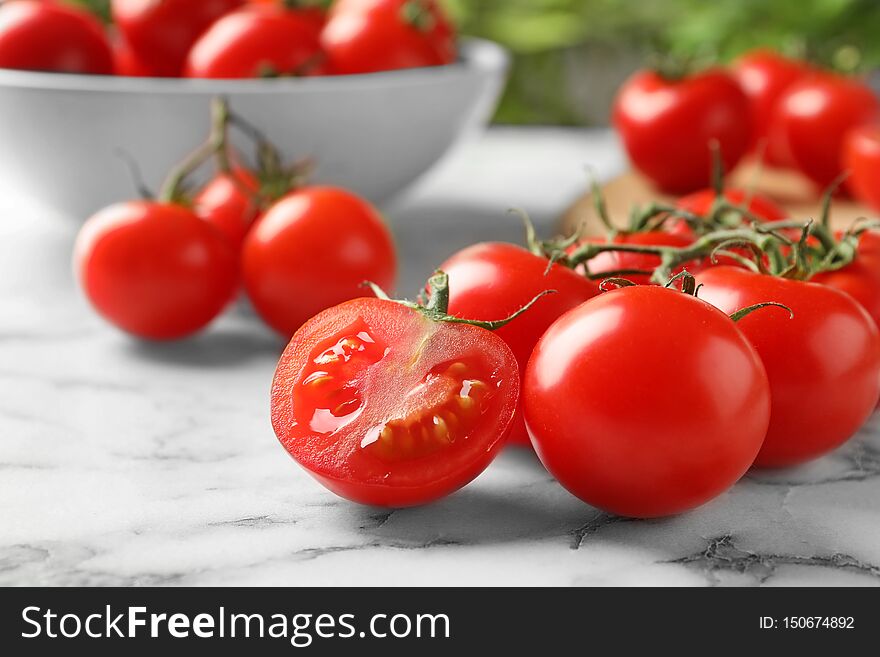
(41, 36)
(311, 250)
(823, 364)
(162, 33)
(646, 402)
(225, 202)
(861, 157)
(764, 76)
(815, 115)
(257, 41)
(127, 64)
(612, 261)
(154, 270)
(421, 407)
(861, 278)
(365, 36)
(493, 280)
(667, 126)
(763, 208)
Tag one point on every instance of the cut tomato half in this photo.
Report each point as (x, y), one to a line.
(386, 406)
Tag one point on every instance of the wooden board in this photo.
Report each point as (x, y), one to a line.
(789, 189)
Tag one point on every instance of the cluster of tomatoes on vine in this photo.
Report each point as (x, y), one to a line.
(649, 369)
(226, 38)
(164, 266)
(785, 111)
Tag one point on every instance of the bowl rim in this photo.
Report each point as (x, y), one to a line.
(475, 55)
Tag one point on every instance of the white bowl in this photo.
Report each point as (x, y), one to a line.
(60, 135)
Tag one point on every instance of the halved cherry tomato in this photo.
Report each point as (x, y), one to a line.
(42, 36)
(257, 41)
(161, 32)
(815, 115)
(861, 157)
(228, 202)
(764, 75)
(668, 126)
(646, 402)
(364, 36)
(823, 363)
(492, 280)
(609, 262)
(312, 250)
(155, 269)
(385, 406)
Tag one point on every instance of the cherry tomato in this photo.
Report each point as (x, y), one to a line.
(227, 202)
(364, 36)
(153, 269)
(762, 208)
(40, 36)
(312, 250)
(257, 41)
(492, 280)
(823, 364)
(385, 406)
(161, 32)
(668, 125)
(861, 278)
(609, 262)
(861, 157)
(127, 64)
(815, 115)
(646, 402)
(313, 10)
(764, 75)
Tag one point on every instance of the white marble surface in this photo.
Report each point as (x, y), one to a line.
(130, 464)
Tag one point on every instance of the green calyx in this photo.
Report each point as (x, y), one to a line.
(419, 14)
(436, 308)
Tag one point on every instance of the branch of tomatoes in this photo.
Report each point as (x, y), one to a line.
(274, 178)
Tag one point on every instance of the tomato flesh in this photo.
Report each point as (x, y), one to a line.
(493, 280)
(387, 407)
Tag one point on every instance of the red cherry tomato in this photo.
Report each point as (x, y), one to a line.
(494, 280)
(646, 402)
(154, 270)
(257, 41)
(40, 36)
(227, 202)
(861, 278)
(387, 407)
(609, 262)
(162, 32)
(823, 364)
(861, 157)
(313, 10)
(127, 64)
(815, 115)
(312, 250)
(762, 208)
(364, 36)
(764, 75)
(667, 126)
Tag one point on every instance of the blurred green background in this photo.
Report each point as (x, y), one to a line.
(571, 55)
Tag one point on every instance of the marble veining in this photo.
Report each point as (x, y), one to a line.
(128, 464)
